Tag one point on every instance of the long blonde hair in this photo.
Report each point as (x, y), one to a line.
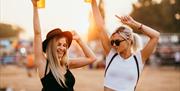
(137, 42)
(127, 33)
(55, 65)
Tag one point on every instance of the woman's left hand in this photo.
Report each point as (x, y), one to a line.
(75, 35)
(128, 20)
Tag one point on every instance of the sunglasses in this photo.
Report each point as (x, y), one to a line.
(117, 42)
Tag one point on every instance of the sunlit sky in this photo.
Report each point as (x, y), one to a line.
(65, 14)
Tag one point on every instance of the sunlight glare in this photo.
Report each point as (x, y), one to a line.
(116, 7)
(65, 14)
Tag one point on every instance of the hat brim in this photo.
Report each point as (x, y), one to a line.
(66, 34)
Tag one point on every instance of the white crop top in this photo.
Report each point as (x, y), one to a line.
(122, 73)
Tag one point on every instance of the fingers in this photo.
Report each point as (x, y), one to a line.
(118, 17)
(74, 33)
(127, 17)
(34, 2)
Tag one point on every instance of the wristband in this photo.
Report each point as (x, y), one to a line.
(140, 27)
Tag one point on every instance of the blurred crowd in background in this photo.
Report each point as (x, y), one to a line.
(162, 15)
(21, 53)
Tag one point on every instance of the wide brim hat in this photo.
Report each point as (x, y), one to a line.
(57, 32)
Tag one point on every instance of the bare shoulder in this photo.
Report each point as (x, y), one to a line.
(41, 66)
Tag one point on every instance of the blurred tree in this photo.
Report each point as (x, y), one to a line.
(9, 31)
(163, 15)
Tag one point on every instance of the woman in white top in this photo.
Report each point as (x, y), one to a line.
(122, 70)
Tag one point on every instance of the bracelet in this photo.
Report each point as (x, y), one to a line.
(140, 27)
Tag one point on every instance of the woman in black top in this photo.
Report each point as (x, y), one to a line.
(51, 57)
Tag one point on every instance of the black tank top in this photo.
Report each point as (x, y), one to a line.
(50, 84)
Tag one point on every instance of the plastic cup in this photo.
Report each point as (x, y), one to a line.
(41, 4)
(88, 1)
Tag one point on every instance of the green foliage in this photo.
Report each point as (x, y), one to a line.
(160, 16)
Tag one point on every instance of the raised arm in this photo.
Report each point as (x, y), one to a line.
(105, 40)
(83, 61)
(151, 33)
(38, 54)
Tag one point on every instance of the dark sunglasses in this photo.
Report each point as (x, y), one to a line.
(117, 42)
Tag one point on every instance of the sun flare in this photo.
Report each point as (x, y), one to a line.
(65, 14)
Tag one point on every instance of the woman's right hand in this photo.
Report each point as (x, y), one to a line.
(127, 20)
(34, 2)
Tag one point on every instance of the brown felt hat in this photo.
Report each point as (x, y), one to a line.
(57, 32)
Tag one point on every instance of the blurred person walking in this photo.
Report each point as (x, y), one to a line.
(51, 57)
(30, 64)
(124, 57)
(177, 59)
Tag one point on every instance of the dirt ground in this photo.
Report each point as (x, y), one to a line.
(152, 79)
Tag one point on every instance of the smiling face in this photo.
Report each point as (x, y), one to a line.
(118, 42)
(121, 39)
(61, 47)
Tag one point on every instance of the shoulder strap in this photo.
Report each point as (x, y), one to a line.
(46, 68)
(110, 63)
(137, 65)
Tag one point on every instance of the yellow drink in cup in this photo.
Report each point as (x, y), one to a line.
(41, 4)
(88, 1)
